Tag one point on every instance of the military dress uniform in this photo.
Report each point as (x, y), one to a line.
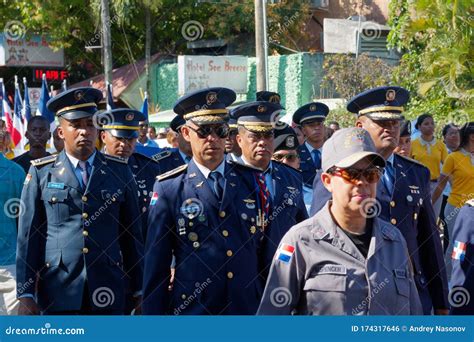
(318, 270)
(286, 204)
(78, 239)
(310, 161)
(405, 202)
(213, 229)
(462, 277)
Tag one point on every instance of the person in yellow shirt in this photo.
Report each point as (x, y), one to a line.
(430, 152)
(459, 167)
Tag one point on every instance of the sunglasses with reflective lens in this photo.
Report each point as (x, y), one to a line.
(353, 175)
(221, 131)
(289, 156)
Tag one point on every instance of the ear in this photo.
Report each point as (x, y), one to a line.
(27, 135)
(358, 123)
(185, 133)
(60, 132)
(239, 139)
(326, 180)
(102, 136)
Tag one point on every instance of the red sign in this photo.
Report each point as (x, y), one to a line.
(53, 75)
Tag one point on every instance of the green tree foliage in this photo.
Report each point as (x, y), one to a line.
(350, 75)
(437, 66)
(74, 24)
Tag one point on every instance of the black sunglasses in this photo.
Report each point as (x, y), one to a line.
(289, 156)
(221, 131)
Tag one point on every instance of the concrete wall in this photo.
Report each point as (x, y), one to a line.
(295, 77)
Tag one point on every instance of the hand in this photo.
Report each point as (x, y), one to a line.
(442, 312)
(28, 307)
(172, 273)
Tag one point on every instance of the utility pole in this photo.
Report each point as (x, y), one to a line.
(148, 38)
(106, 40)
(260, 48)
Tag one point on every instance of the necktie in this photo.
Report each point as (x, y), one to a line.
(84, 165)
(389, 177)
(316, 155)
(217, 184)
(264, 197)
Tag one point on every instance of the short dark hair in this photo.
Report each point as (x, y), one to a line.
(446, 128)
(153, 128)
(422, 118)
(466, 130)
(37, 118)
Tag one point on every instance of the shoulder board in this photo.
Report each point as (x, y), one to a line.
(161, 155)
(173, 172)
(410, 160)
(470, 202)
(44, 160)
(117, 159)
(283, 165)
(139, 155)
(239, 164)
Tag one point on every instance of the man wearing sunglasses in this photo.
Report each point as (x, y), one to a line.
(170, 159)
(206, 214)
(285, 146)
(232, 148)
(284, 184)
(403, 195)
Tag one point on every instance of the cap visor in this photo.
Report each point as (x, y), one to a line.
(124, 133)
(76, 115)
(377, 160)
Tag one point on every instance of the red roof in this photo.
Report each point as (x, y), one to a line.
(121, 77)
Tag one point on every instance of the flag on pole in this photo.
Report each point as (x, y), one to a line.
(110, 98)
(18, 132)
(6, 108)
(42, 109)
(26, 103)
(144, 109)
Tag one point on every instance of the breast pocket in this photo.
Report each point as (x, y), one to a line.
(402, 287)
(326, 294)
(57, 204)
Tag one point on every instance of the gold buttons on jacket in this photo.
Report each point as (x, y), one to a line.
(85, 233)
(47, 265)
(393, 221)
(85, 215)
(85, 250)
(54, 199)
(229, 253)
(225, 233)
(84, 198)
(222, 214)
(392, 204)
(253, 229)
(230, 275)
(415, 216)
(183, 296)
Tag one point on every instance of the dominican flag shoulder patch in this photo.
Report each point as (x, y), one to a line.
(459, 250)
(285, 252)
(154, 198)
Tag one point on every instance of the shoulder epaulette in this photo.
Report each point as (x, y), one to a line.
(411, 160)
(291, 168)
(161, 155)
(173, 172)
(117, 159)
(44, 160)
(240, 164)
(470, 202)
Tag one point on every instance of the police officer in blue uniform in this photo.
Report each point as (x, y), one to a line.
(310, 118)
(462, 276)
(403, 198)
(232, 149)
(77, 242)
(256, 139)
(170, 159)
(206, 213)
(119, 135)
